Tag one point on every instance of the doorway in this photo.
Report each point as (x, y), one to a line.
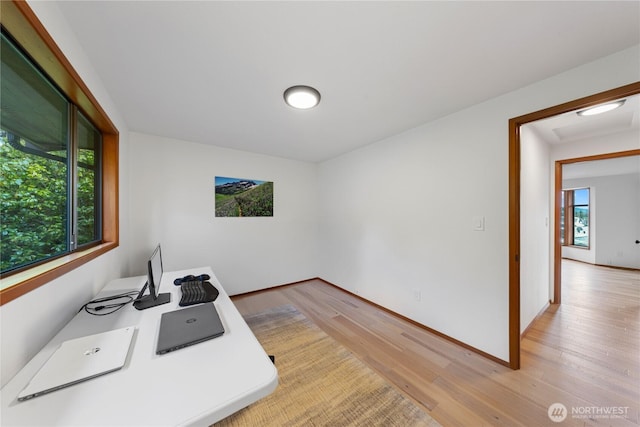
(514, 202)
(559, 179)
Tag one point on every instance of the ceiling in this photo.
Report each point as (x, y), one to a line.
(214, 72)
(570, 127)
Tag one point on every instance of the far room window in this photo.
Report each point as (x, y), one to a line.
(51, 167)
(575, 218)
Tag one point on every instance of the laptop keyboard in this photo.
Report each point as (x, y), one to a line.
(197, 292)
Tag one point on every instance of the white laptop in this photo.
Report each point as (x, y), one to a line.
(81, 359)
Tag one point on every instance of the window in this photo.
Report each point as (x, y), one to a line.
(50, 194)
(59, 161)
(575, 208)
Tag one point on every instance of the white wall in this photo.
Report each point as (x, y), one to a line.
(618, 214)
(396, 216)
(534, 226)
(623, 141)
(615, 213)
(29, 322)
(172, 202)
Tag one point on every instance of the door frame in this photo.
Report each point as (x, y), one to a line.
(514, 203)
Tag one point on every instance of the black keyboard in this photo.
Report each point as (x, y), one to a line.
(197, 292)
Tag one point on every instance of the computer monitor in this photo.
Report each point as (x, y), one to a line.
(154, 277)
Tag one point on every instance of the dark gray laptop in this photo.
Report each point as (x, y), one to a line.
(193, 325)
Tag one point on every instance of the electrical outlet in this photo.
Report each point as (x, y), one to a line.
(417, 294)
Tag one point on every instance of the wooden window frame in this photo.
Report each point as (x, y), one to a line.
(21, 22)
(568, 217)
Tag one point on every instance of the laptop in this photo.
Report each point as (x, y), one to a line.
(79, 360)
(189, 326)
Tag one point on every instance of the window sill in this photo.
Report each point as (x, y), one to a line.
(576, 247)
(20, 283)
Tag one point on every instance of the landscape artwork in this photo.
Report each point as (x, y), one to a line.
(237, 197)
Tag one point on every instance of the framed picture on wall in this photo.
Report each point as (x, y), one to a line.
(236, 197)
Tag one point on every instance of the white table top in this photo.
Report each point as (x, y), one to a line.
(196, 385)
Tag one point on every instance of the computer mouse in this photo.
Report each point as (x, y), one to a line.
(179, 281)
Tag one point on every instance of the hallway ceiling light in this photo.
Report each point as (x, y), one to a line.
(302, 97)
(602, 108)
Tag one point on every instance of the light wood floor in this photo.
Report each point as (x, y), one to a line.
(583, 353)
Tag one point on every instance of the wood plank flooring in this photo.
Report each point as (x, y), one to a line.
(584, 353)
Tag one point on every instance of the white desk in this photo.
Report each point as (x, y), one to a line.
(197, 385)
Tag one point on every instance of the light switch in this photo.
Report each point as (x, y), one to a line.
(478, 223)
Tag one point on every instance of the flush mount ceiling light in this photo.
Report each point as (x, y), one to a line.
(302, 97)
(599, 109)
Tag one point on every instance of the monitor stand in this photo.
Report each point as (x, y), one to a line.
(148, 301)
